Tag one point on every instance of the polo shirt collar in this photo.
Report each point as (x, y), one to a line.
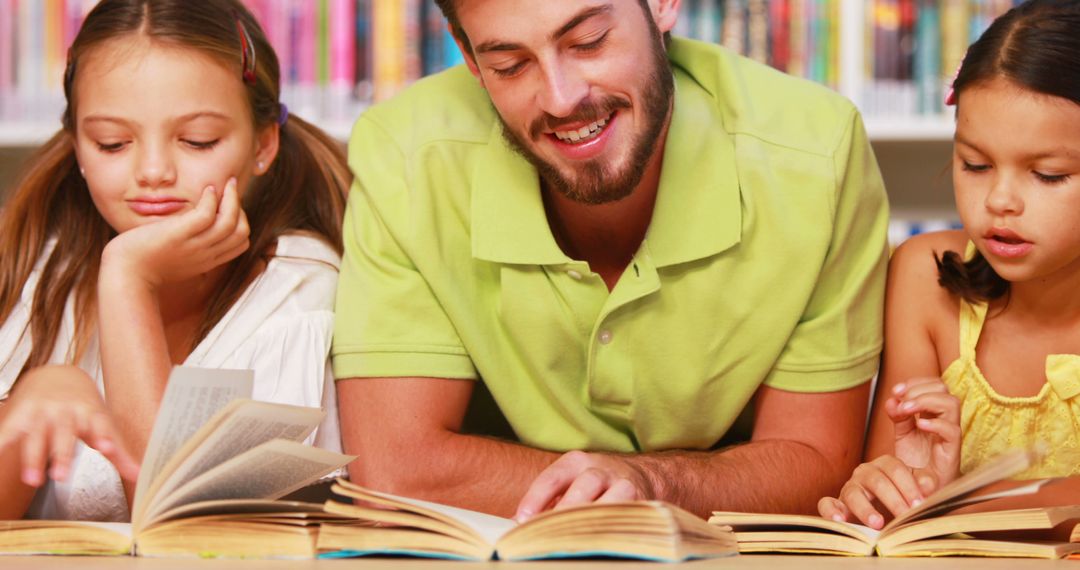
(509, 224)
(698, 210)
(698, 206)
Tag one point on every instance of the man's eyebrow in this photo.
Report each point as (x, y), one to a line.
(578, 19)
(498, 45)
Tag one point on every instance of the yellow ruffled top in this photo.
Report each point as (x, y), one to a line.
(993, 423)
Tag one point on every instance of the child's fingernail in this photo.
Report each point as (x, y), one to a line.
(876, 521)
(58, 473)
(838, 518)
(104, 445)
(899, 388)
(907, 405)
(31, 477)
(916, 503)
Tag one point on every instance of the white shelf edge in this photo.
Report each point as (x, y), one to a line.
(913, 129)
(27, 134)
(887, 129)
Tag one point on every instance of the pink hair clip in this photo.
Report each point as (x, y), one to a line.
(950, 95)
(247, 52)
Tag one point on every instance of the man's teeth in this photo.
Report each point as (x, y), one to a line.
(583, 134)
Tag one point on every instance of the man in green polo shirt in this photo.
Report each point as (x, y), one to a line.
(630, 242)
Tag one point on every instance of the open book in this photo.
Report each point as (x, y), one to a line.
(387, 524)
(931, 529)
(213, 466)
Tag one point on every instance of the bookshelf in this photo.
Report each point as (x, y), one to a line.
(337, 55)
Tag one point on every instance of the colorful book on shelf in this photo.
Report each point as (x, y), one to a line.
(384, 524)
(214, 466)
(931, 529)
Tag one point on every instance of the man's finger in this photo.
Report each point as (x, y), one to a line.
(619, 490)
(586, 488)
(550, 484)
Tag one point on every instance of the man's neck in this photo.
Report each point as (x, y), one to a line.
(607, 235)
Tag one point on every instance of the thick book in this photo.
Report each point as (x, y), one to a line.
(933, 528)
(384, 524)
(214, 466)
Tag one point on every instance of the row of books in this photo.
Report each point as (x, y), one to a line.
(339, 55)
(191, 507)
(912, 46)
(335, 55)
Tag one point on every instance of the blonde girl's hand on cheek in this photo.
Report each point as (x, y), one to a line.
(50, 410)
(180, 247)
(926, 422)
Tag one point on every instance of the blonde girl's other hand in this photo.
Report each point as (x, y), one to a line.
(50, 410)
(211, 234)
(926, 424)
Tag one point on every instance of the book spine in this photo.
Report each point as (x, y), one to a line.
(734, 34)
(414, 32)
(342, 21)
(779, 34)
(757, 30)
(797, 38)
(954, 37)
(926, 67)
(362, 88)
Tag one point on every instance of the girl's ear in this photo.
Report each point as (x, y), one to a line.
(267, 143)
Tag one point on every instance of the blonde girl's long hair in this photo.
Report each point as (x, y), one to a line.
(304, 190)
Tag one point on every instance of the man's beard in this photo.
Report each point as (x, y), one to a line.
(594, 182)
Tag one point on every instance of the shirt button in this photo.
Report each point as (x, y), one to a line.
(576, 275)
(605, 337)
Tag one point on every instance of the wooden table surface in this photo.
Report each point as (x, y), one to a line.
(745, 562)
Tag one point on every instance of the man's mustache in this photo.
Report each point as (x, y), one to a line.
(587, 111)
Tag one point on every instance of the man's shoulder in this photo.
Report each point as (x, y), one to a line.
(450, 106)
(759, 101)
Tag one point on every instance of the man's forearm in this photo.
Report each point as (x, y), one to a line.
(491, 476)
(468, 471)
(766, 476)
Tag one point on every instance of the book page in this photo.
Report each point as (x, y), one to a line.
(268, 471)
(245, 425)
(1001, 467)
(490, 528)
(191, 398)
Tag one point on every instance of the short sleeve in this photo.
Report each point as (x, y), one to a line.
(837, 342)
(390, 323)
(290, 358)
(15, 340)
(15, 347)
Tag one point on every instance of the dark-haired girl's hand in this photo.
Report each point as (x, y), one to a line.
(926, 424)
(50, 410)
(926, 421)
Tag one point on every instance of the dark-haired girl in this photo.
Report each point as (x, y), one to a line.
(982, 333)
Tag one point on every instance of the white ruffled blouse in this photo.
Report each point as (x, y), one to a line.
(280, 327)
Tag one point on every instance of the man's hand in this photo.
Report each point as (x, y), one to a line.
(579, 478)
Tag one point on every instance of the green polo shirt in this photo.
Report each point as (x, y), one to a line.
(764, 262)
